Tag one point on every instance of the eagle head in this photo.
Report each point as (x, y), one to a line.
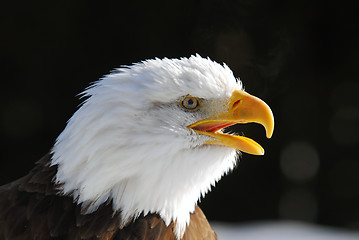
(148, 138)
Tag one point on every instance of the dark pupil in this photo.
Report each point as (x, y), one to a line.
(190, 102)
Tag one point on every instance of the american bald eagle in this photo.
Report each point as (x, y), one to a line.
(137, 155)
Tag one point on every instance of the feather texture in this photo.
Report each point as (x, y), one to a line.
(31, 209)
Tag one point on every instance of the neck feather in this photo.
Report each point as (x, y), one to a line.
(163, 182)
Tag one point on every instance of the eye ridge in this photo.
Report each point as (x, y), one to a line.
(190, 103)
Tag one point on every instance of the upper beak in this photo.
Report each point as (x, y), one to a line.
(242, 108)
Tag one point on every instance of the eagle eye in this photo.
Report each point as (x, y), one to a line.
(190, 103)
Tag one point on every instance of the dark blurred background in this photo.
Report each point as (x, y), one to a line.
(301, 57)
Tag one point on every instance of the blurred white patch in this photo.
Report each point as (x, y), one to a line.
(280, 231)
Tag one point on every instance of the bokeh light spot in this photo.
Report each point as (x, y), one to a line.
(299, 161)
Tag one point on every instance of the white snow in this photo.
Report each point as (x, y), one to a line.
(281, 230)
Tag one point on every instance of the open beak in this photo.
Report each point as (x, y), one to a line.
(242, 108)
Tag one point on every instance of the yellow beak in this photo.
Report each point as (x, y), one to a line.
(242, 108)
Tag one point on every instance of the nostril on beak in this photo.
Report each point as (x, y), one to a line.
(236, 103)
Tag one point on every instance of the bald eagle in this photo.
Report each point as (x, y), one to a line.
(134, 159)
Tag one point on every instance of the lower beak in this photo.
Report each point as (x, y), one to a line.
(242, 108)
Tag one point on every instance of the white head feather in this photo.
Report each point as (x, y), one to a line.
(129, 142)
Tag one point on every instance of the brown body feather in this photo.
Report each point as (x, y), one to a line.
(32, 208)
